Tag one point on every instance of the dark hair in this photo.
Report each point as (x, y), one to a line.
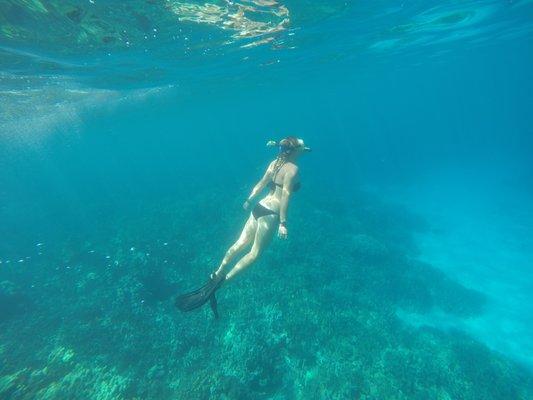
(286, 147)
(289, 143)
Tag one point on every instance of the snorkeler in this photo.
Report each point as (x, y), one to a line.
(268, 214)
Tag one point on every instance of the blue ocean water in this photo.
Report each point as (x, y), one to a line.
(131, 133)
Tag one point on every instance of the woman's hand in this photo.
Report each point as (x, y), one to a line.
(246, 205)
(282, 231)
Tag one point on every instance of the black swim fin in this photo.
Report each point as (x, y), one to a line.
(197, 298)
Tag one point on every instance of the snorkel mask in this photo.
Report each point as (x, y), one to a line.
(286, 145)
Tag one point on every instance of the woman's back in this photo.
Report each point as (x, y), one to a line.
(278, 177)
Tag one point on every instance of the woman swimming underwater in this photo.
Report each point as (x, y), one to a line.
(268, 214)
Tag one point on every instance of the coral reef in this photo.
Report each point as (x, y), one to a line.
(314, 319)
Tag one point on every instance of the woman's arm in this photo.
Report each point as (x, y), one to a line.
(288, 180)
(259, 186)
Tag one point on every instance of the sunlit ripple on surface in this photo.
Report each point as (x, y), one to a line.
(470, 22)
(248, 19)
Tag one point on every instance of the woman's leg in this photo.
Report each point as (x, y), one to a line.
(263, 234)
(245, 239)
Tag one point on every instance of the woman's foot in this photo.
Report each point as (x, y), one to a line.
(218, 274)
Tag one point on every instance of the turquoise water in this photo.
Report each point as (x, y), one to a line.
(131, 133)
